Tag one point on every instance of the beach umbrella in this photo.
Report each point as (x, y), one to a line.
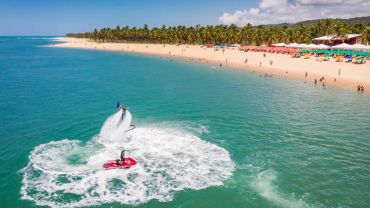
(312, 46)
(341, 46)
(358, 47)
(293, 45)
(303, 45)
(279, 44)
(322, 46)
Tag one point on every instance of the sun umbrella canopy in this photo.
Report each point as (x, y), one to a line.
(358, 47)
(342, 46)
(311, 46)
(367, 48)
(303, 45)
(322, 46)
(279, 44)
(293, 45)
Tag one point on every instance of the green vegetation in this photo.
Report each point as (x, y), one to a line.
(302, 32)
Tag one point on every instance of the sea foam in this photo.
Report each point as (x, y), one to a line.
(69, 173)
(263, 184)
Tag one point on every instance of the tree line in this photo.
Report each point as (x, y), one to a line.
(228, 34)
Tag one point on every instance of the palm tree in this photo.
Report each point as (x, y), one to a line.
(222, 34)
(366, 35)
(257, 36)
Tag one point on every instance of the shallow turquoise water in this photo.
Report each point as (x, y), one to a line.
(293, 144)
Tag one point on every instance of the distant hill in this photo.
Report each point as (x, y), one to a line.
(312, 23)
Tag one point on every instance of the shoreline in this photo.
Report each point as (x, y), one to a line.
(351, 75)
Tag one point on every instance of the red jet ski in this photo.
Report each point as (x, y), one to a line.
(113, 164)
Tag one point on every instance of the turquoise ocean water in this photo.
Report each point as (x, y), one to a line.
(205, 137)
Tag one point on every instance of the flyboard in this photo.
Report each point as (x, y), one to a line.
(120, 123)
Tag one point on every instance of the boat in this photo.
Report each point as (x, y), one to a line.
(116, 164)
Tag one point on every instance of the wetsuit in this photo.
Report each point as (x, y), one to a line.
(123, 111)
(123, 155)
(122, 158)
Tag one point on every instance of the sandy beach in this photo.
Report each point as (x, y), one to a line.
(341, 74)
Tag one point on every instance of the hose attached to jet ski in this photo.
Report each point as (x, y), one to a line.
(132, 127)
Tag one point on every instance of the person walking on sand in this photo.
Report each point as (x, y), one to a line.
(305, 75)
(339, 72)
(246, 60)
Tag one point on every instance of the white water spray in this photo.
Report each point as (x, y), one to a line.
(69, 174)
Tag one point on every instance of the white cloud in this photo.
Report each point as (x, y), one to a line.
(265, 4)
(290, 11)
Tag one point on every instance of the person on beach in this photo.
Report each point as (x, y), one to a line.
(305, 75)
(260, 64)
(315, 81)
(360, 88)
(246, 60)
(338, 72)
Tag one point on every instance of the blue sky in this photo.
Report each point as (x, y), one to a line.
(58, 17)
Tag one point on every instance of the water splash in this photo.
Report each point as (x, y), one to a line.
(69, 173)
(263, 184)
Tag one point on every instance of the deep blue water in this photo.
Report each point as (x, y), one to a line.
(293, 144)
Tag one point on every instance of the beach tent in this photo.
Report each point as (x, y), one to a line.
(279, 44)
(302, 45)
(358, 47)
(342, 46)
(310, 46)
(322, 46)
(293, 45)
